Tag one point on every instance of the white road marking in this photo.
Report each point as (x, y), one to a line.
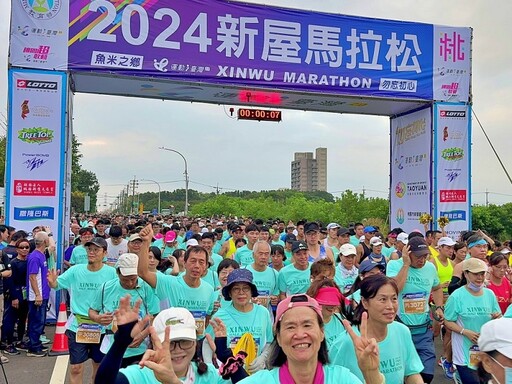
(59, 370)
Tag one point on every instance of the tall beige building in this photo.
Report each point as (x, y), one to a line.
(310, 173)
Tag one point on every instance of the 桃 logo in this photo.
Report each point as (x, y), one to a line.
(41, 9)
(400, 189)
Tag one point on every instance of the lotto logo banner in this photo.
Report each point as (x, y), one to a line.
(36, 149)
(410, 168)
(452, 165)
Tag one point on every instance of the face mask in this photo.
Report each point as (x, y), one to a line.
(508, 373)
(475, 287)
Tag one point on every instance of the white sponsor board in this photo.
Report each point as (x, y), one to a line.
(452, 137)
(36, 137)
(410, 187)
(39, 34)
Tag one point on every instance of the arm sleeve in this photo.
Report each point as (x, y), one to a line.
(454, 284)
(108, 371)
(223, 353)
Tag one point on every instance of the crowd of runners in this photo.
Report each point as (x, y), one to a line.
(166, 299)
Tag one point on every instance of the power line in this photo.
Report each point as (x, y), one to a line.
(492, 147)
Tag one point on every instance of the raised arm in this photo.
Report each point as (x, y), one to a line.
(143, 270)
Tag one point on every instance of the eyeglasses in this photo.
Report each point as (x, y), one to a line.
(94, 250)
(183, 344)
(23, 247)
(241, 289)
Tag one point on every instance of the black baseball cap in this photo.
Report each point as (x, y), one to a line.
(299, 246)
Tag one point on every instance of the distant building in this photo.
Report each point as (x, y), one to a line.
(310, 173)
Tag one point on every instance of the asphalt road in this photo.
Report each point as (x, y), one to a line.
(39, 370)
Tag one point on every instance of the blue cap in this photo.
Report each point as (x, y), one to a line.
(240, 275)
(369, 229)
(367, 265)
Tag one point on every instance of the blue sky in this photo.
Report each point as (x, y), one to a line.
(121, 136)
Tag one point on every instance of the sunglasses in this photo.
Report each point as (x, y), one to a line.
(23, 247)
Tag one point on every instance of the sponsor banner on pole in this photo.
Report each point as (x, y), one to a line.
(410, 187)
(39, 34)
(36, 143)
(452, 63)
(452, 157)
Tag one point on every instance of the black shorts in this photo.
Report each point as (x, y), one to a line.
(80, 352)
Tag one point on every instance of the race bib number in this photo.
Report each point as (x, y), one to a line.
(200, 318)
(474, 356)
(414, 303)
(88, 334)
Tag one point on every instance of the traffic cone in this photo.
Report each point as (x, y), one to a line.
(60, 341)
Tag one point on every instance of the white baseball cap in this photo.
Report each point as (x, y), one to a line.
(191, 242)
(348, 250)
(374, 241)
(181, 321)
(495, 335)
(127, 264)
(448, 241)
(403, 238)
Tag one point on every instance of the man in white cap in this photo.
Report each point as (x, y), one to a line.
(107, 301)
(189, 290)
(82, 282)
(401, 241)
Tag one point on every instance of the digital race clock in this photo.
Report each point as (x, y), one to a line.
(259, 114)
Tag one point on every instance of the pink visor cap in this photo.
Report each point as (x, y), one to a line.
(294, 301)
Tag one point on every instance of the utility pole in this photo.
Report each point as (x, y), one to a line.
(486, 197)
(217, 188)
(133, 183)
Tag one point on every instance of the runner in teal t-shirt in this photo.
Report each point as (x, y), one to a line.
(256, 322)
(243, 255)
(468, 312)
(295, 278)
(187, 291)
(83, 284)
(264, 277)
(398, 357)
(107, 301)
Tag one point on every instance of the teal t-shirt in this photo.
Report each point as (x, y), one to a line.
(136, 375)
(243, 256)
(278, 242)
(266, 282)
(345, 278)
(398, 356)
(79, 255)
(354, 240)
(167, 251)
(256, 322)
(83, 285)
(197, 300)
(413, 299)
(217, 246)
(216, 261)
(211, 278)
(289, 257)
(333, 330)
(333, 374)
(292, 280)
(158, 243)
(470, 312)
(388, 251)
(508, 313)
(107, 300)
